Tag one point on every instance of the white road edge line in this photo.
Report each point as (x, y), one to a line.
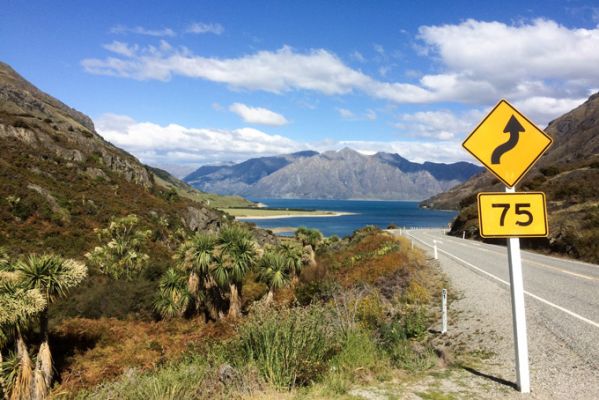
(526, 260)
(534, 296)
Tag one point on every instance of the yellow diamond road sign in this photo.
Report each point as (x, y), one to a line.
(507, 143)
(503, 215)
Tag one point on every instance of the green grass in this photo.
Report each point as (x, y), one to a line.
(290, 347)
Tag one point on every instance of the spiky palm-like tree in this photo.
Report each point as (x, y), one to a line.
(273, 271)
(309, 236)
(197, 257)
(17, 306)
(293, 257)
(237, 256)
(122, 254)
(53, 276)
(173, 295)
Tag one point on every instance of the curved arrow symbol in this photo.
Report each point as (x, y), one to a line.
(514, 128)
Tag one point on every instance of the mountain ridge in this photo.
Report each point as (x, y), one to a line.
(342, 174)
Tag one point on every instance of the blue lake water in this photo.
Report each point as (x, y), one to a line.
(378, 213)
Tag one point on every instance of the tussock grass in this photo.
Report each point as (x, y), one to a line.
(290, 347)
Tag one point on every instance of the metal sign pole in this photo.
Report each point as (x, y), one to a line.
(518, 313)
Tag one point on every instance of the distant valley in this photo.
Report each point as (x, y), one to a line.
(343, 174)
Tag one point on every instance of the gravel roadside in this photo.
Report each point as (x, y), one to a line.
(481, 323)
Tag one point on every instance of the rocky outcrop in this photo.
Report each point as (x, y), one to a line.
(202, 219)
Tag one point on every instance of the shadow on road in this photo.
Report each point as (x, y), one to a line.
(490, 377)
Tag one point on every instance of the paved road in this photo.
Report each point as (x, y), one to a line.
(561, 295)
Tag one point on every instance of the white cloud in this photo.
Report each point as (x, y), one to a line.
(258, 115)
(202, 27)
(379, 49)
(368, 115)
(139, 30)
(121, 48)
(357, 56)
(173, 143)
(345, 113)
(442, 125)
(478, 63)
(434, 151)
(540, 58)
(542, 110)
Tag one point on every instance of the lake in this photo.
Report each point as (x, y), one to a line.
(378, 213)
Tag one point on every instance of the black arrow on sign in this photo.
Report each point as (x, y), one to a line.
(514, 128)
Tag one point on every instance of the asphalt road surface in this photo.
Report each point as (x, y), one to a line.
(562, 306)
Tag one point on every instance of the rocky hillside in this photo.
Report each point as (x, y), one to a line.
(568, 173)
(345, 174)
(59, 180)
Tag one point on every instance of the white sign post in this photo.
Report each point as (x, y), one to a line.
(518, 313)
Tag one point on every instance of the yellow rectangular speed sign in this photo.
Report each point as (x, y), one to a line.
(503, 215)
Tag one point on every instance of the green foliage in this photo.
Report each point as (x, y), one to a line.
(273, 270)
(173, 297)
(173, 382)
(122, 254)
(21, 208)
(315, 291)
(402, 338)
(18, 305)
(290, 347)
(359, 356)
(100, 296)
(52, 275)
(309, 236)
(293, 257)
(237, 255)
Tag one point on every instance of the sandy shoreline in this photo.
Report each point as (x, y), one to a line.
(283, 216)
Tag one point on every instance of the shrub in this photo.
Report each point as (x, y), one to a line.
(358, 360)
(289, 347)
(550, 171)
(315, 291)
(416, 294)
(399, 338)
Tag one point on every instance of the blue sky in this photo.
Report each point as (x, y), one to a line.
(181, 84)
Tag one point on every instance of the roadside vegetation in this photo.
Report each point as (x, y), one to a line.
(232, 318)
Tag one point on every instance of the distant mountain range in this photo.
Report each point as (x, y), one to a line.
(343, 174)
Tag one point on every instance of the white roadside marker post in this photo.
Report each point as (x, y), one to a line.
(518, 312)
(435, 248)
(463, 234)
(444, 311)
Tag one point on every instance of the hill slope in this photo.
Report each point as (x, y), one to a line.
(345, 174)
(568, 173)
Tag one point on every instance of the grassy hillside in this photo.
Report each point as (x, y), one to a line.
(359, 315)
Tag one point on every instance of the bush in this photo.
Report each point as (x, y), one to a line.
(359, 359)
(550, 171)
(399, 338)
(289, 347)
(315, 291)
